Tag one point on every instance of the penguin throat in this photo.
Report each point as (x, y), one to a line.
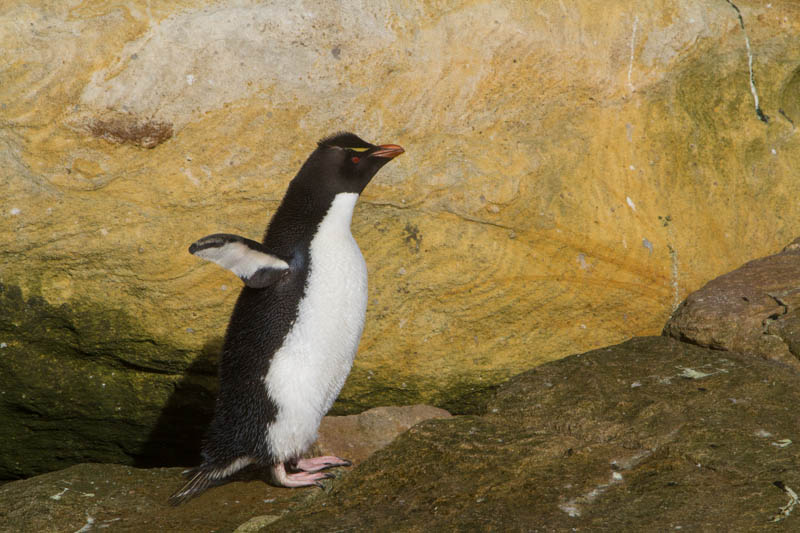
(340, 213)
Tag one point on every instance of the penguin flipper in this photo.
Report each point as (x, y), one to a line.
(244, 257)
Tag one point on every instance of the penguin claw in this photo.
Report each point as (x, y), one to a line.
(315, 464)
(324, 476)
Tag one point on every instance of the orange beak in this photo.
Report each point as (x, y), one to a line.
(388, 151)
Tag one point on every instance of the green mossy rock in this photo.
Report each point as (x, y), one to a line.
(69, 397)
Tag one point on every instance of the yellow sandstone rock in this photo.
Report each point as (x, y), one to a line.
(573, 171)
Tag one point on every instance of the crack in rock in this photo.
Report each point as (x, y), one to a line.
(780, 303)
(764, 118)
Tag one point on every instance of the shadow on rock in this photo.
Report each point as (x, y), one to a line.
(176, 438)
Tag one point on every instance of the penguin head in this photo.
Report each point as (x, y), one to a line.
(347, 163)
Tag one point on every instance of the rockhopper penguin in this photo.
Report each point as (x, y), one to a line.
(295, 327)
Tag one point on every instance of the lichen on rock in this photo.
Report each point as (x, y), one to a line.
(127, 129)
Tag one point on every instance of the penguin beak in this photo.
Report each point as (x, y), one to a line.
(388, 151)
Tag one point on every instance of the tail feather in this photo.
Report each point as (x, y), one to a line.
(205, 477)
(200, 481)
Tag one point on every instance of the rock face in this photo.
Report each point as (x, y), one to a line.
(754, 309)
(649, 435)
(573, 170)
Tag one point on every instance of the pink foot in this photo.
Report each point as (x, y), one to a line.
(315, 464)
(297, 479)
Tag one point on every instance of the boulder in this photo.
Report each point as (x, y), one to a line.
(356, 437)
(572, 172)
(754, 309)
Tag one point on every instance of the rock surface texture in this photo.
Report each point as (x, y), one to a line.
(650, 435)
(573, 171)
(754, 309)
(133, 499)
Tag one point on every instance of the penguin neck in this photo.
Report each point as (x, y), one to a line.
(301, 213)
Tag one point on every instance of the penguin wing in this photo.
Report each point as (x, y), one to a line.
(244, 257)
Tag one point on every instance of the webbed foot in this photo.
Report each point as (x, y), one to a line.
(297, 479)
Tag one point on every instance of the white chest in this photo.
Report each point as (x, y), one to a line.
(309, 370)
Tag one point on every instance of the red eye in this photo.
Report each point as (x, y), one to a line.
(355, 159)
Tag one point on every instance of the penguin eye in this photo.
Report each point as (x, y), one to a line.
(355, 159)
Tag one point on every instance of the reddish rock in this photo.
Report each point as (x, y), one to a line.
(356, 437)
(755, 309)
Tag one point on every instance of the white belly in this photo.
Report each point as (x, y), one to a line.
(309, 370)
